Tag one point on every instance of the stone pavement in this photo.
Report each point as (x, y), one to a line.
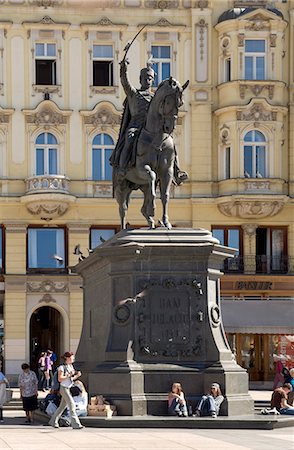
(16, 435)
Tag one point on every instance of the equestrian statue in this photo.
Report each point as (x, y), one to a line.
(145, 154)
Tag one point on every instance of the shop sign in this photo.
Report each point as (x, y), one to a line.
(254, 285)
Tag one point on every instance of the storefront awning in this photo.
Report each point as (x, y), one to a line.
(258, 316)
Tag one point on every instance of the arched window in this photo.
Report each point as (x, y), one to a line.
(102, 147)
(254, 155)
(46, 154)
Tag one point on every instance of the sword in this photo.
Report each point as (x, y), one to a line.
(127, 47)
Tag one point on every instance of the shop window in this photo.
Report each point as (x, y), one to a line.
(46, 248)
(46, 148)
(230, 237)
(99, 235)
(271, 250)
(255, 155)
(161, 57)
(102, 147)
(45, 61)
(254, 57)
(102, 65)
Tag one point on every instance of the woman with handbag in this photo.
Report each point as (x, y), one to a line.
(3, 383)
(28, 385)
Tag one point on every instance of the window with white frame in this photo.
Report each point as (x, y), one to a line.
(102, 147)
(255, 59)
(161, 57)
(45, 63)
(99, 235)
(255, 155)
(102, 65)
(46, 248)
(46, 154)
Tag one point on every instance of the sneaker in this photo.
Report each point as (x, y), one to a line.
(213, 415)
(264, 411)
(197, 414)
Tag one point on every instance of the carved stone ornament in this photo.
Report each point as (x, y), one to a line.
(161, 4)
(257, 24)
(170, 283)
(202, 4)
(215, 316)
(47, 286)
(241, 38)
(46, 3)
(122, 314)
(256, 89)
(47, 209)
(47, 117)
(257, 185)
(249, 209)
(250, 229)
(105, 22)
(103, 117)
(273, 40)
(47, 20)
(47, 298)
(257, 113)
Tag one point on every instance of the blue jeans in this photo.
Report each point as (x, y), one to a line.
(206, 405)
(177, 408)
(289, 411)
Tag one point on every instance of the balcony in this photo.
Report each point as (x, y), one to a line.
(47, 196)
(260, 264)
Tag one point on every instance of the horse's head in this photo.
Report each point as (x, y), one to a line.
(171, 99)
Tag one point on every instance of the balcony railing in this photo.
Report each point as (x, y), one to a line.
(41, 184)
(259, 264)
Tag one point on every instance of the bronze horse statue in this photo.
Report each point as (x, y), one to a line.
(155, 154)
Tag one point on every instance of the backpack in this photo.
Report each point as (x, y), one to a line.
(55, 385)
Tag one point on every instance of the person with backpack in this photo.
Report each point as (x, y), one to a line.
(66, 377)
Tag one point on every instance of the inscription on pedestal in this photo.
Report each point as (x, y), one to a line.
(169, 319)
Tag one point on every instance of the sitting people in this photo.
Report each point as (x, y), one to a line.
(80, 397)
(176, 401)
(279, 399)
(209, 405)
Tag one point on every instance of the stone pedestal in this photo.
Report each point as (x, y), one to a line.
(152, 317)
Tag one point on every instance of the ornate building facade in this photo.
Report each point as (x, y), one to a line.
(60, 110)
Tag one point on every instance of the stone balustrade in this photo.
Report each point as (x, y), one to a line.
(47, 183)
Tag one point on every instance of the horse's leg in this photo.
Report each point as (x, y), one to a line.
(165, 184)
(122, 197)
(148, 207)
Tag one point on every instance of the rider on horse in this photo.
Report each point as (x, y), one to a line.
(136, 106)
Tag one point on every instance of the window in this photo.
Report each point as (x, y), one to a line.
(102, 65)
(161, 56)
(227, 68)
(46, 154)
(230, 237)
(102, 147)
(45, 59)
(46, 248)
(227, 163)
(100, 235)
(254, 155)
(1, 250)
(254, 59)
(271, 250)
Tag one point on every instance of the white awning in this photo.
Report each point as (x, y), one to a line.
(258, 316)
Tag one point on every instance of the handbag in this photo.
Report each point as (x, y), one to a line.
(9, 393)
(51, 408)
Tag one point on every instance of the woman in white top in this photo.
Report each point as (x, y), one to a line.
(66, 376)
(176, 401)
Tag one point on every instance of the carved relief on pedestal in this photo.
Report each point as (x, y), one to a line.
(253, 208)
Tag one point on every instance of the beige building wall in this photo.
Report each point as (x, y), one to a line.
(218, 112)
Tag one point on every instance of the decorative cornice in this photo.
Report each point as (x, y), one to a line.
(104, 22)
(46, 20)
(47, 113)
(164, 23)
(46, 3)
(15, 227)
(102, 115)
